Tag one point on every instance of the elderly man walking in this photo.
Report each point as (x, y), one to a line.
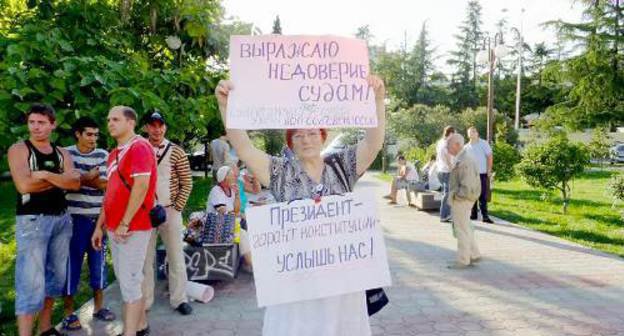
(464, 190)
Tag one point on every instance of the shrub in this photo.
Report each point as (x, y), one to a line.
(420, 153)
(600, 144)
(553, 164)
(616, 186)
(506, 157)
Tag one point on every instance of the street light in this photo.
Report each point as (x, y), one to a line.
(519, 79)
(489, 56)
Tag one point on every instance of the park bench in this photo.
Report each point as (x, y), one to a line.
(428, 200)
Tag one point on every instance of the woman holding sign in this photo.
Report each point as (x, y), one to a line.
(309, 175)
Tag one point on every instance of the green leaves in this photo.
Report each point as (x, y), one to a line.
(82, 63)
(553, 164)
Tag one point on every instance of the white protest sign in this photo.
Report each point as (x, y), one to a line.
(283, 82)
(305, 250)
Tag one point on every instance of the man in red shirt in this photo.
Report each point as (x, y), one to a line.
(129, 196)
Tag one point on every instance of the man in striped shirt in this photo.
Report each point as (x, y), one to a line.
(173, 190)
(84, 206)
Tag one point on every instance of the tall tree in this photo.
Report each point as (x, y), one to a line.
(463, 59)
(277, 26)
(273, 139)
(596, 77)
(422, 59)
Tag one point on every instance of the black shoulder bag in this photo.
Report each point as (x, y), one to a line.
(157, 214)
(376, 298)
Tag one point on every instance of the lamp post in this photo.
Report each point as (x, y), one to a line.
(489, 56)
(520, 48)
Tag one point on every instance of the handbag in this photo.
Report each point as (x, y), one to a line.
(376, 298)
(157, 214)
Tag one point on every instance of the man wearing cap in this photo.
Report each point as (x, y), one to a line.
(173, 190)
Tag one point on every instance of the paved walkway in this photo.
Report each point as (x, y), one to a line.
(528, 284)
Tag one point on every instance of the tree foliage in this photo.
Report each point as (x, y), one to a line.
(553, 164)
(81, 57)
(596, 75)
(600, 144)
(506, 157)
(616, 186)
(463, 59)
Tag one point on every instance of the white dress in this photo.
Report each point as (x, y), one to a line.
(343, 315)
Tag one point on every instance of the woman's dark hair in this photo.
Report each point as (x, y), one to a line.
(401, 158)
(82, 123)
(448, 130)
(42, 109)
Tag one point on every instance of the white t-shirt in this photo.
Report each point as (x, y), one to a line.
(441, 153)
(434, 182)
(479, 152)
(412, 173)
(218, 197)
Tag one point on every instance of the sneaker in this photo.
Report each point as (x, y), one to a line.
(184, 309)
(446, 220)
(488, 220)
(474, 217)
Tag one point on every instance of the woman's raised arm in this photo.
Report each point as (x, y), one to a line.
(368, 148)
(256, 160)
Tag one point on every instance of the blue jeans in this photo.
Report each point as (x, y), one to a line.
(83, 227)
(445, 209)
(41, 263)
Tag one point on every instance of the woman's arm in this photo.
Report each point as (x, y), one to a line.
(256, 160)
(368, 148)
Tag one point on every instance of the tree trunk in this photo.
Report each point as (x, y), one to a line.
(126, 5)
(153, 19)
(565, 192)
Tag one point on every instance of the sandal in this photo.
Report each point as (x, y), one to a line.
(70, 323)
(105, 315)
(53, 332)
(144, 332)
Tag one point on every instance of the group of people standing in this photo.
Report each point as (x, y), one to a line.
(82, 200)
(462, 172)
(69, 197)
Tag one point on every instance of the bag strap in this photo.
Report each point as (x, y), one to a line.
(162, 156)
(125, 183)
(335, 163)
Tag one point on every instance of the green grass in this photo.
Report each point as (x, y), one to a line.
(590, 221)
(384, 177)
(196, 202)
